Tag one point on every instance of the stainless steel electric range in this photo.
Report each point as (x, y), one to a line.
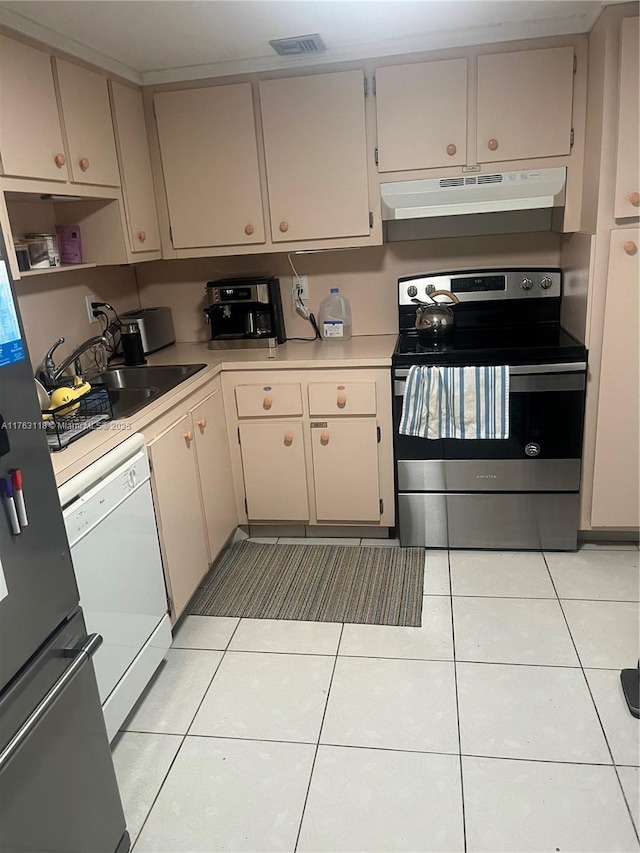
(521, 492)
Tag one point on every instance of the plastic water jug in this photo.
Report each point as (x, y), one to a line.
(335, 317)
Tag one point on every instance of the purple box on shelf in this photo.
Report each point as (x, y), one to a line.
(70, 244)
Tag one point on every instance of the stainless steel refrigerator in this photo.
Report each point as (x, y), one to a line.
(58, 790)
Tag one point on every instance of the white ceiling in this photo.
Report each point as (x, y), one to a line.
(153, 41)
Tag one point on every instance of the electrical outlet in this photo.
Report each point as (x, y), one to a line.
(89, 300)
(300, 285)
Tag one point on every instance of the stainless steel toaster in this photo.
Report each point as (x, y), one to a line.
(156, 327)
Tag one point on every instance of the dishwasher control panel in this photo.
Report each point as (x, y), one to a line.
(84, 513)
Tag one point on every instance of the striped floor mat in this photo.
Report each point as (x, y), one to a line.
(315, 583)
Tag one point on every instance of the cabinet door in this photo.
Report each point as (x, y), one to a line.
(214, 465)
(316, 155)
(524, 104)
(422, 115)
(627, 199)
(210, 163)
(176, 493)
(345, 470)
(275, 477)
(135, 168)
(617, 459)
(87, 120)
(30, 135)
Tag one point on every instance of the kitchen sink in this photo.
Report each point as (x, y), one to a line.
(132, 388)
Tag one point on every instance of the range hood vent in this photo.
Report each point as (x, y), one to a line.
(462, 196)
(298, 45)
(473, 205)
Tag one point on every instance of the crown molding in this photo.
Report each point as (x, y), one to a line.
(63, 43)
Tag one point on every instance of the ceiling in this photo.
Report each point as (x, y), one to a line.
(155, 41)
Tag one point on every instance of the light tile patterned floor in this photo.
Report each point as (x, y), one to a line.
(499, 725)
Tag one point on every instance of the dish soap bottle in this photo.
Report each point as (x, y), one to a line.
(335, 317)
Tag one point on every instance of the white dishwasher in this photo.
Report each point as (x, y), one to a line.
(110, 521)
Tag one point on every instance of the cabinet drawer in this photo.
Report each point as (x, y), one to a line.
(351, 398)
(254, 401)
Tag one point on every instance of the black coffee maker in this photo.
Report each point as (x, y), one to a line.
(245, 312)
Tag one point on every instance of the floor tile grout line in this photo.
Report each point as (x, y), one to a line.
(398, 749)
(455, 681)
(315, 754)
(586, 680)
(164, 779)
(184, 736)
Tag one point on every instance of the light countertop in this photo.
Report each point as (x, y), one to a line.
(361, 351)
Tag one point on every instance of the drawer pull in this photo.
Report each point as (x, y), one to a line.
(202, 423)
(84, 163)
(288, 439)
(59, 160)
(451, 149)
(634, 198)
(324, 438)
(492, 144)
(267, 403)
(142, 236)
(188, 436)
(341, 401)
(284, 226)
(630, 247)
(248, 230)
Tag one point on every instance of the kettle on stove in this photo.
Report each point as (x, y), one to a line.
(435, 319)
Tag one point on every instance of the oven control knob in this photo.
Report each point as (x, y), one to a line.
(412, 290)
(545, 282)
(526, 284)
(532, 449)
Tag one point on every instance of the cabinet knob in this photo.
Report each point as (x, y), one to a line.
(188, 436)
(284, 226)
(84, 163)
(492, 144)
(634, 198)
(341, 401)
(451, 149)
(59, 160)
(630, 247)
(288, 439)
(142, 236)
(202, 423)
(267, 403)
(324, 438)
(249, 229)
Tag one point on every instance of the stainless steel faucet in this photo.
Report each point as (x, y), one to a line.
(53, 371)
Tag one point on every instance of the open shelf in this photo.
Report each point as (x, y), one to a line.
(62, 268)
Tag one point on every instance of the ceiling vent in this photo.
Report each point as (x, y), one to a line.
(298, 45)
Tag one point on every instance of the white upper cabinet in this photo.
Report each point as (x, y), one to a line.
(135, 167)
(316, 156)
(525, 104)
(627, 198)
(421, 113)
(210, 163)
(87, 120)
(30, 136)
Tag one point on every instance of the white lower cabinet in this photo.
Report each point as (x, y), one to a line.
(345, 470)
(275, 477)
(193, 494)
(314, 447)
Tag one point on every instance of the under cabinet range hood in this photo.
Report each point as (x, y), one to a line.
(498, 203)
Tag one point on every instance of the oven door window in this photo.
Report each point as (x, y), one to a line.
(545, 414)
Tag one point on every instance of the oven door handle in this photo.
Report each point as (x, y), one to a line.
(526, 378)
(521, 369)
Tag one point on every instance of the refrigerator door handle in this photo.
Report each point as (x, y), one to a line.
(81, 655)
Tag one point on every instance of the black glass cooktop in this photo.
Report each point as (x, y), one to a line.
(512, 345)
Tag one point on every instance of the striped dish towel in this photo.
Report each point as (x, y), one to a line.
(456, 402)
